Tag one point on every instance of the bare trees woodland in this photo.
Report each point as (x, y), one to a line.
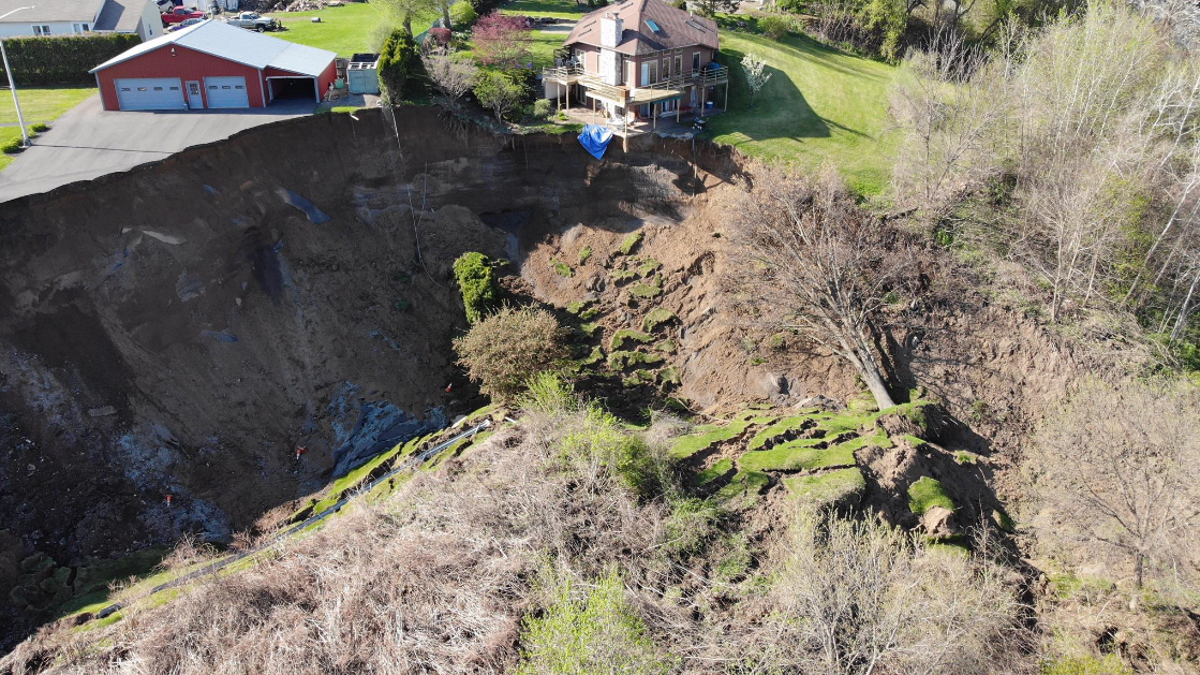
(1119, 469)
(1074, 151)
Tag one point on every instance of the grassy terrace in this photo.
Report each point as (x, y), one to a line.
(353, 27)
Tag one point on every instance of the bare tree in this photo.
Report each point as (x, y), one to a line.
(1117, 469)
(452, 76)
(860, 597)
(811, 260)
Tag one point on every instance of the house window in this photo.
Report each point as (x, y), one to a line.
(41, 30)
(81, 27)
(695, 61)
(678, 65)
(653, 76)
(666, 68)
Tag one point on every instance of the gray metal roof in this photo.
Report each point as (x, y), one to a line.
(51, 10)
(237, 44)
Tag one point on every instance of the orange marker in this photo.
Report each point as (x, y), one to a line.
(449, 387)
(168, 500)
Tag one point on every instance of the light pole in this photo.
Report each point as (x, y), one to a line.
(12, 83)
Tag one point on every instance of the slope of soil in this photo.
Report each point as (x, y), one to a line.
(181, 329)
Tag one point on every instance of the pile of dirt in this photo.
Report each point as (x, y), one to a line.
(181, 329)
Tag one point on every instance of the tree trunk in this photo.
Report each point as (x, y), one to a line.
(446, 16)
(407, 24)
(1138, 567)
(869, 373)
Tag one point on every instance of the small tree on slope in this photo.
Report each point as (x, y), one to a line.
(810, 260)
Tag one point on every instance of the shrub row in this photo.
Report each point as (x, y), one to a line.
(62, 60)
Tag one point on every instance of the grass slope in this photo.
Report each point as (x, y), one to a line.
(559, 9)
(821, 105)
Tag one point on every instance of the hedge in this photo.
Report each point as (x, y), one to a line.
(63, 60)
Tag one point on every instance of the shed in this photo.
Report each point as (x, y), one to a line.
(213, 65)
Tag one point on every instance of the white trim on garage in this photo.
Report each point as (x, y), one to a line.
(313, 80)
(150, 93)
(226, 92)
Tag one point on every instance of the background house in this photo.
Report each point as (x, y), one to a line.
(52, 18)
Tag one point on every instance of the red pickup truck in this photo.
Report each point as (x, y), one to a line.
(180, 14)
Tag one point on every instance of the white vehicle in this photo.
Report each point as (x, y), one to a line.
(252, 21)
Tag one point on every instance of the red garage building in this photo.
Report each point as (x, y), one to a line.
(213, 65)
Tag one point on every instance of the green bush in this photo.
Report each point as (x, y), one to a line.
(503, 351)
(40, 128)
(11, 146)
(462, 15)
(775, 26)
(543, 108)
(477, 282)
(691, 525)
(63, 60)
(598, 633)
(396, 63)
(602, 438)
(547, 392)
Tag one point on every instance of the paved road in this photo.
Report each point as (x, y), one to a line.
(88, 141)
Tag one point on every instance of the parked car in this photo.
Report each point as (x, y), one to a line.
(184, 24)
(181, 14)
(252, 21)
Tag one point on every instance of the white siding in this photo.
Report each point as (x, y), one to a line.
(151, 25)
(26, 29)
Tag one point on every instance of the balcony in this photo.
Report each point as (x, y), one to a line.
(666, 89)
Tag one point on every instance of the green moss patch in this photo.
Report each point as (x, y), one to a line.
(578, 306)
(964, 457)
(669, 376)
(648, 266)
(585, 254)
(658, 317)
(639, 377)
(621, 360)
(667, 346)
(715, 472)
(630, 243)
(704, 437)
(621, 275)
(477, 283)
(927, 493)
(786, 425)
(645, 291)
(620, 337)
(796, 457)
(563, 269)
(744, 489)
(831, 488)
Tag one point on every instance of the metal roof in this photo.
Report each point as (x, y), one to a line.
(239, 45)
(45, 11)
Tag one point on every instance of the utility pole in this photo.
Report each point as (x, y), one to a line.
(12, 84)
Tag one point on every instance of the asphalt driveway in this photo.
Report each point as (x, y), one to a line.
(88, 141)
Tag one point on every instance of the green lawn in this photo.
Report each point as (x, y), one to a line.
(38, 104)
(353, 27)
(561, 9)
(543, 45)
(41, 104)
(820, 105)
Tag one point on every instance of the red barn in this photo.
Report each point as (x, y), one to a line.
(213, 65)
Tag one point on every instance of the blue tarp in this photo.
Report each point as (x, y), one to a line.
(594, 138)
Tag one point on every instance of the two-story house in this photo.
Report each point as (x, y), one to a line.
(53, 18)
(639, 59)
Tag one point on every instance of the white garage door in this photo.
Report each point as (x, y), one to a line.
(226, 92)
(152, 93)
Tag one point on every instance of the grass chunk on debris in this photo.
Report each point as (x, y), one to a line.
(927, 493)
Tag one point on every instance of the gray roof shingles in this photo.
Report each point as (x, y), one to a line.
(51, 10)
(677, 28)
